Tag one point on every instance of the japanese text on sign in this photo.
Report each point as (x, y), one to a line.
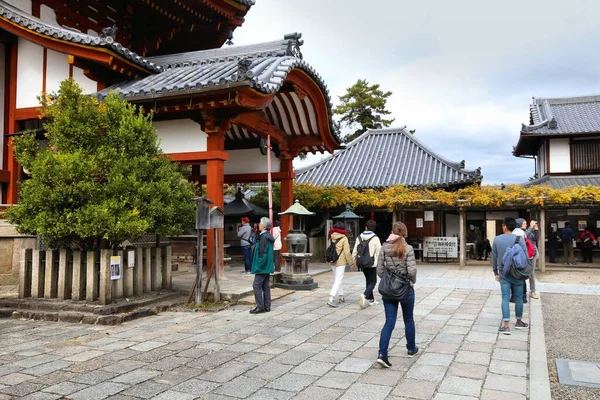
(447, 245)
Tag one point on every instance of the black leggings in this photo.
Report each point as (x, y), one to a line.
(371, 278)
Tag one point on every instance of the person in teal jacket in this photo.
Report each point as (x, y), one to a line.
(262, 266)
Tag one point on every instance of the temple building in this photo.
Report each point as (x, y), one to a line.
(386, 157)
(213, 106)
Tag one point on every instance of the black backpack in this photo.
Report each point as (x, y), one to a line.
(363, 256)
(331, 255)
(587, 241)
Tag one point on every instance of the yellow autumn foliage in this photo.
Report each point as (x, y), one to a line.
(396, 197)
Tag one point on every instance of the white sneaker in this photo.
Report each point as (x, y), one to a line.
(362, 302)
(373, 303)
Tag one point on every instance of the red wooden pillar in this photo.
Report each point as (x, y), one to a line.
(287, 197)
(11, 163)
(215, 171)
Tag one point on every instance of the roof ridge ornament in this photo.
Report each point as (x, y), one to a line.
(294, 43)
(109, 33)
(553, 124)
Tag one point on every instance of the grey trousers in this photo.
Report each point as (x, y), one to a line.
(532, 277)
(262, 291)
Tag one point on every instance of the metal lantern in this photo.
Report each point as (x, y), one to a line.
(351, 224)
(296, 239)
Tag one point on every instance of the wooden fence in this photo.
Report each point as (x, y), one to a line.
(86, 276)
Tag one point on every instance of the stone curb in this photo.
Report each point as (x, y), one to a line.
(539, 383)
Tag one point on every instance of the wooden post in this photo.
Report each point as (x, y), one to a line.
(156, 280)
(50, 276)
(128, 274)
(25, 274)
(215, 174)
(64, 277)
(166, 267)
(147, 269)
(287, 198)
(105, 283)
(92, 277)
(138, 272)
(542, 240)
(37, 274)
(78, 279)
(463, 237)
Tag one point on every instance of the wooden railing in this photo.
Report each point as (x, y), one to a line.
(585, 156)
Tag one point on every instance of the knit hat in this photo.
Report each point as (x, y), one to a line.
(519, 222)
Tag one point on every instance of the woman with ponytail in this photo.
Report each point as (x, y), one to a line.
(396, 255)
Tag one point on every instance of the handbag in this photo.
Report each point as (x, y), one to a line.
(393, 285)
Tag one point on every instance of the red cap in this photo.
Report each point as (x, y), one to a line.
(245, 220)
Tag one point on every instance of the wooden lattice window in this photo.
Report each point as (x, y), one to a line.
(585, 156)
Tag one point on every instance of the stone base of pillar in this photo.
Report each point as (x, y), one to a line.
(295, 273)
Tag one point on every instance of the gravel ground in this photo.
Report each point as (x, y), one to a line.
(587, 277)
(571, 328)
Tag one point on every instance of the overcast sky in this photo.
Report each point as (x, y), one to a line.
(462, 72)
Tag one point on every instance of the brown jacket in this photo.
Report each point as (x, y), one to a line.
(343, 249)
(407, 264)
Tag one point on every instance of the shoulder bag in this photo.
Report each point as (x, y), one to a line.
(394, 285)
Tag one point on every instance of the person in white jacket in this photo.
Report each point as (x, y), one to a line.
(368, 238)
(277, 246)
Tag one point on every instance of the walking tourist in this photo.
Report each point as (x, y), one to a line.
(365, 253)
(520, 231)
(552, 242)
(245, 233)
(399, 256)
(507, 281)
(339, 237)
(262, 267)
(587, 244)
(566, 236)
(277, 246)
(532, 234)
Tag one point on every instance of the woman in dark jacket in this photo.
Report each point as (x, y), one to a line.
(397, 255)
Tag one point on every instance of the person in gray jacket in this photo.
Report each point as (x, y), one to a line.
(533, 234)
(245, 233)
(397, 255)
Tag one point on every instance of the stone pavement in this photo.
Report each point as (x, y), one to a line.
(302, 349)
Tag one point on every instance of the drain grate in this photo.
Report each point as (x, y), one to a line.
(578, 373)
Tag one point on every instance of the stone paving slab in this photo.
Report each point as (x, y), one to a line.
(302, 349)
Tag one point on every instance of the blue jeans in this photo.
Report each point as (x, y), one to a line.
(247, 257)
(506, 283)
(391, 314)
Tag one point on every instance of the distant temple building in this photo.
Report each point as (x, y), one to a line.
(386, 157)
(214, 107)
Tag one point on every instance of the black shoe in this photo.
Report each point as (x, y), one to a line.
(524, 301)
(412, 353)
(384, 362)
(267, 310)
(257, 311)
(512, 300)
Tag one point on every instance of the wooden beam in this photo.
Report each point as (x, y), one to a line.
(246, 178)
(258, 123)
(22, 114)
(196, 157)
(298, 143)
(253, 99)
(4, 176)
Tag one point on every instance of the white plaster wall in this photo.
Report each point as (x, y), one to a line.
(48, 15)
(57, 70)
(490, 231)
(180, 136)
(88, 85)
(249, 161)
(29, 73)
(560, 155)
(24, 5)
(541, 161)
(452, 225)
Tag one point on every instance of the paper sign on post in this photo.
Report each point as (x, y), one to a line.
(131, 259)
(115, 268)
(419, 222)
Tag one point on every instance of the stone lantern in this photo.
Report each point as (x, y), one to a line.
(351, 223)
(295, 271)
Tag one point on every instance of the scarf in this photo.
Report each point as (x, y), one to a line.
(337, 230)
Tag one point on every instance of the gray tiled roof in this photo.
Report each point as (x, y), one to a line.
(559, 182)
(246, 2)
(26, 20)
(386, 157)
(567, 115)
